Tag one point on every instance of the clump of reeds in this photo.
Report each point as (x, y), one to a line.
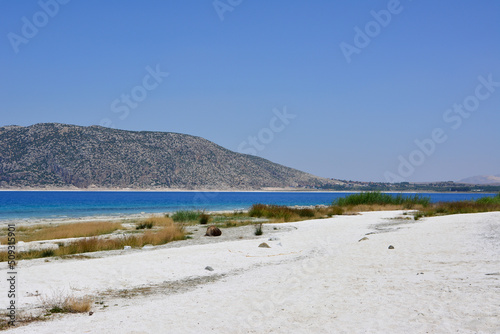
(287, 214)
(378, 198)
(272, 211)
(186, 216)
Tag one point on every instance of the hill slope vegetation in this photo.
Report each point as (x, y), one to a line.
(59, 155)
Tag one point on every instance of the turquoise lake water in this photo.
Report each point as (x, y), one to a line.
(61, 204)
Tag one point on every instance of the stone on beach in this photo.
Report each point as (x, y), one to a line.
(213, 231)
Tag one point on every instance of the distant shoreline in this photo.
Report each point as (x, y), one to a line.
(272, 190)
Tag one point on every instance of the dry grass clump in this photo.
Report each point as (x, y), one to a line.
(204, 218)
(61, 302)
(76, 230)
(450, 208)
(78, 305)
(22, 318)
(272, 212)
(159, 221)
(351, 209)
(281, 213)
(168, 232)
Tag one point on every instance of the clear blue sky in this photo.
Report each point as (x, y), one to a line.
(353, 119)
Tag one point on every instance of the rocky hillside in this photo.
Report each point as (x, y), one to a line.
(59, 155)
(482, 179)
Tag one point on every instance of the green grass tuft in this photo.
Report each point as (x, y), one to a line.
(273, 212)
(378, 198)
(186, 216)
(489, 200)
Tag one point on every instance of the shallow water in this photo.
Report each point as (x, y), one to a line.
(69, 204)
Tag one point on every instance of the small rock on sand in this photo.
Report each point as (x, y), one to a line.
(264, 245)
(391, 247)
(213, 231)
(363, 239)
(209, 268)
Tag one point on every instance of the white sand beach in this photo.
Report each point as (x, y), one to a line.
(443, 276)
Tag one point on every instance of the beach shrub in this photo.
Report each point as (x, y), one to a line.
(378, 198)
(287, 214)
(144, 225)
(65, 303)
(230, 223)
(186, 216)
(418, 215)
(159, 221)
(308, 213)
(204, 218)
(272, 211)
(485, 204)
(335, 210)
(489, 200)
(258, 229)
(47, 253)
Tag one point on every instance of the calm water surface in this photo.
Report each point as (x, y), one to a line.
(60, 204)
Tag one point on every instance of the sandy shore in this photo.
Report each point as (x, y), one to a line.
(442, 276)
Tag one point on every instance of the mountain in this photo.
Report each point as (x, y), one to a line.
(482, 179)
(59, 155)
